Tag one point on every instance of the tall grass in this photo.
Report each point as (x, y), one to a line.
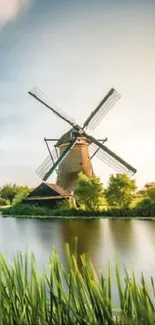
(72, 295)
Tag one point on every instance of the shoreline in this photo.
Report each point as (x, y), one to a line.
(75, 217)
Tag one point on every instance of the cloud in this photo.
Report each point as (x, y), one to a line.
(9, 9)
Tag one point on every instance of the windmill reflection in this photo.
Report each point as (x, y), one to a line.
(122, 237)
(88, 233)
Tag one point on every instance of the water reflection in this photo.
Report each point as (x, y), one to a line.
(122, 237)
(150, 229)
(145, 258)
(129, 242)
(30, 235)
(88, 233)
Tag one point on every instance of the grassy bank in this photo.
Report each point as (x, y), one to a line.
(142, 211)
(31, 211)
(72, 295)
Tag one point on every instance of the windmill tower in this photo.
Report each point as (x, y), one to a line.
(74, 151)
(77, 160)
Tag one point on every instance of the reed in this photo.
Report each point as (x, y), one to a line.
(71, 295)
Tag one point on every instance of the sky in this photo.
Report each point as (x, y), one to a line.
(75, 51)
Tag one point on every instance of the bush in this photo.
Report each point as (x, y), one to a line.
(21, 195)
(151, 193)
(34, 210)
(3, 202)
(66, 205)
(145, 208)
(26, 209)
(126, 212)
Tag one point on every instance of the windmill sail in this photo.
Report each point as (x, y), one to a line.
(37, 94)
(47, 164)
(110, 158)
(94, 150)
(49, 167)
(102, 109)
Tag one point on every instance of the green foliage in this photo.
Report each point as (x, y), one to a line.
(142, 209)
(120, 191)
(10, 191)
(66, 205)
(89, 192)
(122, 199)
(72, 295)
(118, 213)
(151, 193)
(3, 202)
(145, 208)
(31, 211)
(22, 192)
(26, 210)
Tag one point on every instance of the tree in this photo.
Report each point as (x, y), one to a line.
(89, 192)
(149, 185)
(120, 191)
(8, 192)
(21, 194)
(2, 202)
(151, 193)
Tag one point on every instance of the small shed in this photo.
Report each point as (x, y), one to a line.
(47, 194)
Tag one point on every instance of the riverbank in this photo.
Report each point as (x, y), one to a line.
(37, 212)
(75, 218)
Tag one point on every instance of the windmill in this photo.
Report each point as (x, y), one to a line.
(74, 151)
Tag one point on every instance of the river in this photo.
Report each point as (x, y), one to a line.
(130, 242)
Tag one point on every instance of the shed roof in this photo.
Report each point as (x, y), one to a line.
(57, 188)
(58, 197)
(49, 190)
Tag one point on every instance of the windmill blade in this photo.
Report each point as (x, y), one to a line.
(95, 151)
(49, 169)
(47, 164)
(99, 153)
(110, 158)
(102, 109)
(38, 95)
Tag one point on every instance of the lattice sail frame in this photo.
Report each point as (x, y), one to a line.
(108, 160)
(102, 109)
(48, 163)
